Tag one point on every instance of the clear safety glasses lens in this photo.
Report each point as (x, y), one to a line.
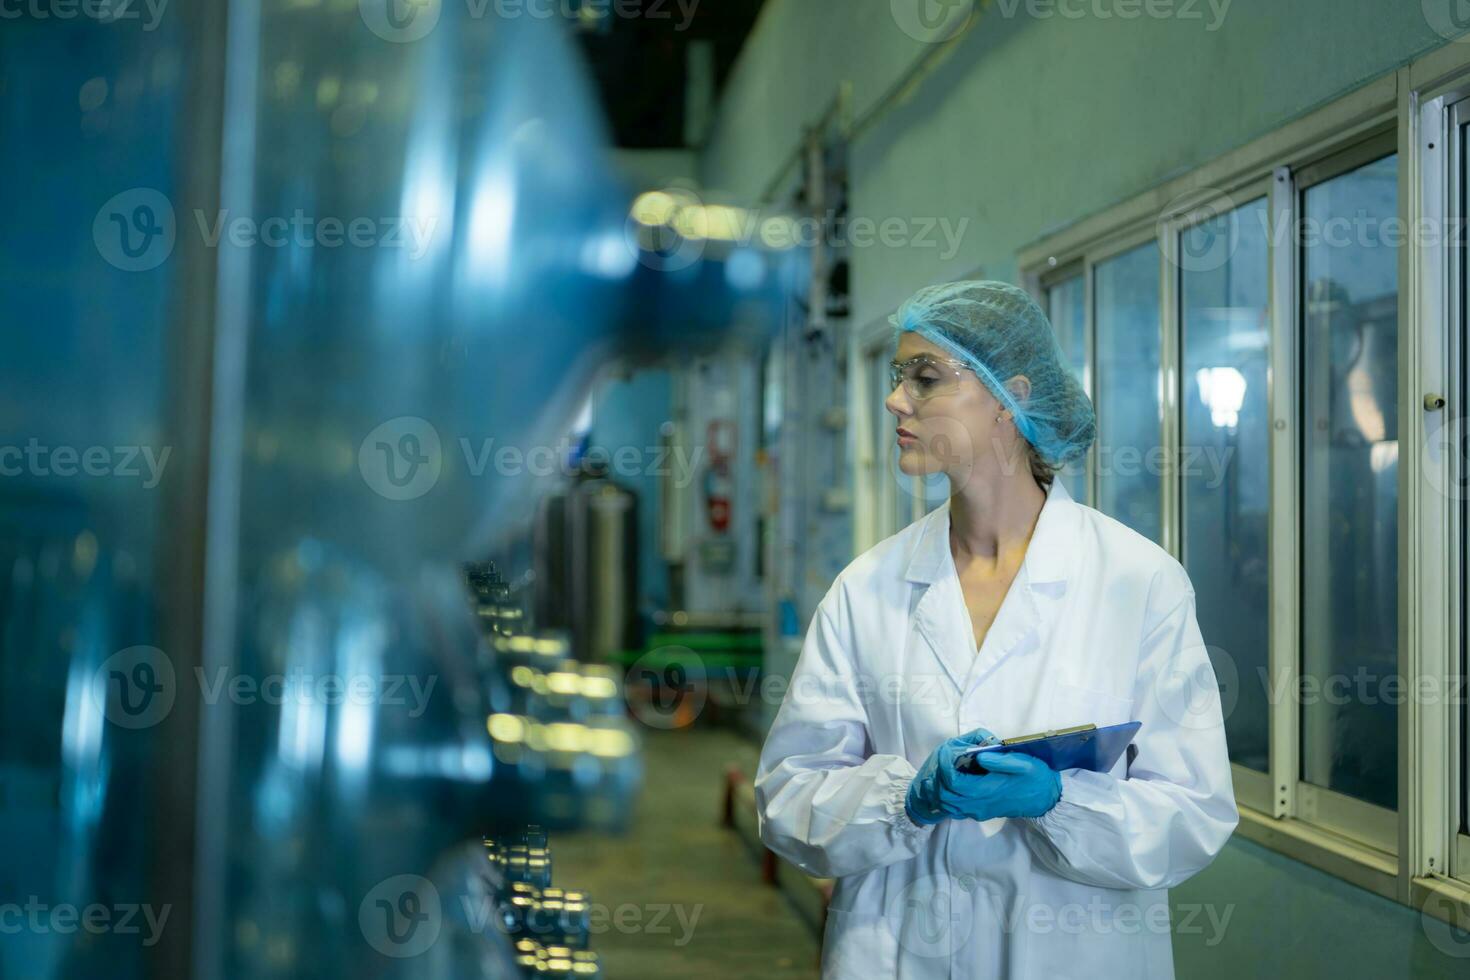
(924, 377)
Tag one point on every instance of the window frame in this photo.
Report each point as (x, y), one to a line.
(1366, 823)
(1383, 851)
(1252, 787)
(1439, 523)
(1045, 282)
(874, 489)
(1101, 253)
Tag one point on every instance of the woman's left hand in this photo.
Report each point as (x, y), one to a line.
(1014, 785)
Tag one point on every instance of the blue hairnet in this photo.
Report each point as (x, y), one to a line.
(1000, 332)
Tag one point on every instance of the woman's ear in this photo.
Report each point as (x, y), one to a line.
(1020, 388)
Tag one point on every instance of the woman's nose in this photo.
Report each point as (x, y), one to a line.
(898, 403)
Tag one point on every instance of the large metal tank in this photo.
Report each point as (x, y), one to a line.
(284, 265)
(587, 564)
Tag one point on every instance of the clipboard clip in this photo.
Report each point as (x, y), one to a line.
(1049, 734)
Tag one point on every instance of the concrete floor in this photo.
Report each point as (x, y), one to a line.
(681, 896)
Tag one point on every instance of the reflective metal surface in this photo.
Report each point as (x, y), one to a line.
(312, 261)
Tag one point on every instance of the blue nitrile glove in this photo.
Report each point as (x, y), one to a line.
(928, 801)
(1013, 785)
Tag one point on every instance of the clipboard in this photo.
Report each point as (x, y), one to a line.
(1082, 747)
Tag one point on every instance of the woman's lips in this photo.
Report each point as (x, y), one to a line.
(905, 437)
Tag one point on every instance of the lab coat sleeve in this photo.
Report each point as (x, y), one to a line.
(826, 803)
(1173, 812)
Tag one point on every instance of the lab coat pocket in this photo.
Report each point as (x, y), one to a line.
(1071, 705)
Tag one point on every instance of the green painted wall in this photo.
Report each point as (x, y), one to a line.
(1033, 123)
(1028, 126)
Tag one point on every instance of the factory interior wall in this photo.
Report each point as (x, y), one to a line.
(999, 134)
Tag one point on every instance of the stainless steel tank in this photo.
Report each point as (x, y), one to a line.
(305, 258)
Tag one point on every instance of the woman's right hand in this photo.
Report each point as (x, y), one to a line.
(929, 799)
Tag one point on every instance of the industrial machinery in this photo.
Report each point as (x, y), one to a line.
(284, 266)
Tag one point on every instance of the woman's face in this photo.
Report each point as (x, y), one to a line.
(954, 431)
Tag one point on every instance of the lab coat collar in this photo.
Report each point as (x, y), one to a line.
(940, 616)
(1049, 554)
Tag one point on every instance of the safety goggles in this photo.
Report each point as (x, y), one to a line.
(926, 376)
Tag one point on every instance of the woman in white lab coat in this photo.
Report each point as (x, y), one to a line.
(1009, 610)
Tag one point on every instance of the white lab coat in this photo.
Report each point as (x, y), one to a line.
(1099, 626)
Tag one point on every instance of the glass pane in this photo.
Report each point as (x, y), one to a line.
(1129, 455)
(1065, 307)
(1349, 484)
(1224, 449)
